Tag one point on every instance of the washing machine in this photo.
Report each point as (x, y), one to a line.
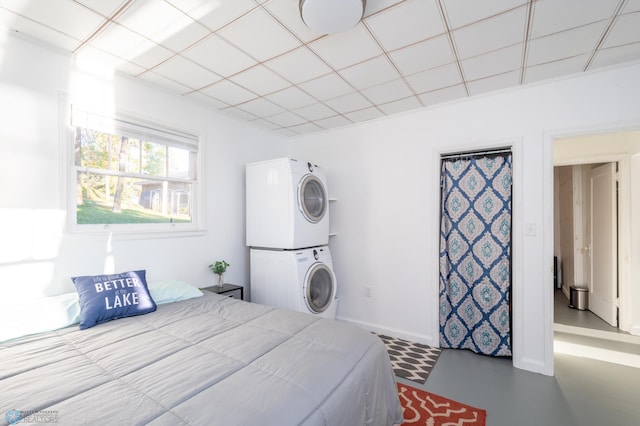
(287, 204)
(299, 280)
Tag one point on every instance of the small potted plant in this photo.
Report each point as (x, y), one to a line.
(219, 268)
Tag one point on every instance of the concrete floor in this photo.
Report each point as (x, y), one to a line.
(588, 388)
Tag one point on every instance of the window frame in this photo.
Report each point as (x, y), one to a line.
(160, 131)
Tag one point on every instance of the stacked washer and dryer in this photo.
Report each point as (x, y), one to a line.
(288, 235)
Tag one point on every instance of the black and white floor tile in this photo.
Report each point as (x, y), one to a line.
(411, 361)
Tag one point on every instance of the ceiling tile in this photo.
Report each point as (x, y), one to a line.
(443, 95)
(437, 78)
(401, 105)
(291, 98)
(187, 73)
(287, 119)
(259, 35)
(626, 30)
(214, 14)
(207, 100)
(55, 15)
(388, 92)
(326, 87)
(496, 82)
(165, 82)
(375, 6)
(556, 69)
(32, 29)
(239, 113)
(345, 49)
(260, 80)
(104, 7)
(565, 44)
(364, 114)
(298, 66)
(261, 107)
(420, 20)
(616, 55)
(631, 6)
(219, 56)
(554, 16)
(492, 63)
(288, 12)
(347, 103)
(491, 34)
(169, 27)
(94, 60)
(262, 122)
(314, 112)
(459, 13)
(333, 122)
(370, 73)
(423, 56)
(123, 43)
(228, 92)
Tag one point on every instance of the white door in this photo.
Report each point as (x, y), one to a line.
(603, 292)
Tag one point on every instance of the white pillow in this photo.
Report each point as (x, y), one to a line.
(172, 291)
(38, 315)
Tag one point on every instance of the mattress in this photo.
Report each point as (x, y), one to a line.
(211, 360)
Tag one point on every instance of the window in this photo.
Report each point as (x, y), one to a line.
(131, 175)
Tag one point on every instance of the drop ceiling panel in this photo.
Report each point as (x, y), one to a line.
(422, 56)
(555, 16)
(492, 63)
(298, 65)
(259, 35)
(291, 98)
(626, 31)
(420, 21)
(219, 56)
(214, 14)
(496, 82)
(55, 15)
(388, 92)
(260, 80)
(565, 44)
(460, 13)
(405, 54)
(186, 73)
(491, 34)
(556, 69)
(437, 78)
(370, 73)
(355, 46)
(169, 26)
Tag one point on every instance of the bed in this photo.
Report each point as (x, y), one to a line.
(208, 360)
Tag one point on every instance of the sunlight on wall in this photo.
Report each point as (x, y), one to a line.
(599, 354)
(30, 244)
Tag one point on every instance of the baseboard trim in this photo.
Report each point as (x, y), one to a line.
(394, 332)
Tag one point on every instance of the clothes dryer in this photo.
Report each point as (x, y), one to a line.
(298, 280)
(287, 204)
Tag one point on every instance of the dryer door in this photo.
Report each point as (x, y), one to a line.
(319, 287)
(312, 198)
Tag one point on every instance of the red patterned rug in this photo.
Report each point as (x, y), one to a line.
(423, 408)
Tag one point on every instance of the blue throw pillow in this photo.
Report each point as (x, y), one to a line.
(107, 297)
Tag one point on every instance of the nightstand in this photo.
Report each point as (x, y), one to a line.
(231, 290)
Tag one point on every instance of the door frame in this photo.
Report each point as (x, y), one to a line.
(624, 209)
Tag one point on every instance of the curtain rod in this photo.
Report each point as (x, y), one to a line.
(475, 153)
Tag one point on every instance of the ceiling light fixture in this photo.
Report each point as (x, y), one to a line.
(331, 16)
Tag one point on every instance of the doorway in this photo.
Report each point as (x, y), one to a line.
(586, 247)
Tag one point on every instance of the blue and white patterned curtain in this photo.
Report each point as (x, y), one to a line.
(475, 254)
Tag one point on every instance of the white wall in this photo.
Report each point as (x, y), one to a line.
(36, 256)
(384, 174)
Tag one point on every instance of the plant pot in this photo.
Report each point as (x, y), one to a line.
(220, 280)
